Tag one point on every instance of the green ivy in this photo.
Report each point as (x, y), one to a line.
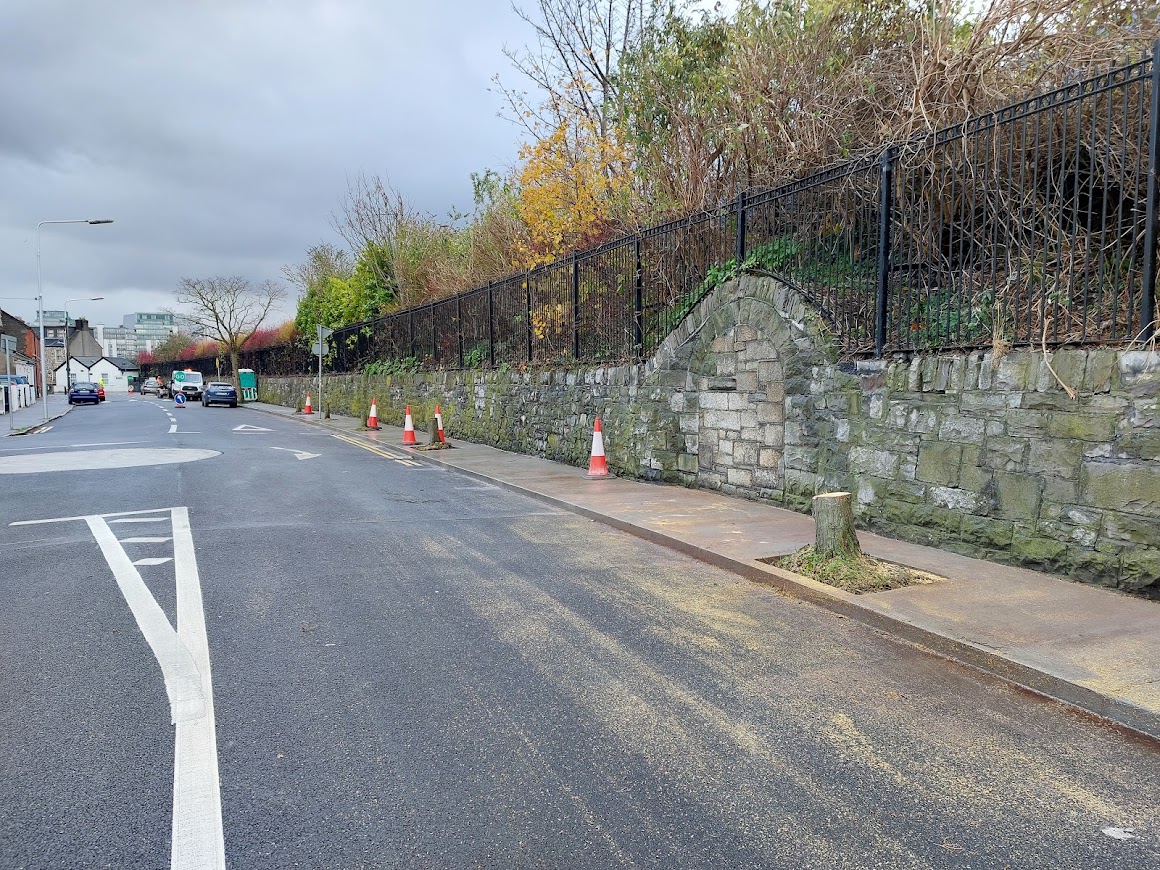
(406, 365)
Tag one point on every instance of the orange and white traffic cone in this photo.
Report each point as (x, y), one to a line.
(308, 409)
(597, 464)
(373, 419)
(439, 425)
(409, 429)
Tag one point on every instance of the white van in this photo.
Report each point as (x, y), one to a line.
(188, 382)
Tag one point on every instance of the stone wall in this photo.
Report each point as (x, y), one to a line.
(980, 455)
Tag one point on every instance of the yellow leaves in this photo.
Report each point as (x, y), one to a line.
(548, 320)
(568, 183)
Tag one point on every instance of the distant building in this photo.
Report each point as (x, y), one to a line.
(151, 328)
(117, 341)
(115, 373)
(26, 359)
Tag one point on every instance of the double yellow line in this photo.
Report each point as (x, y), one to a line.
(385, 452)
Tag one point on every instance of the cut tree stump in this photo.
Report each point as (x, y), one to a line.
(834, 526)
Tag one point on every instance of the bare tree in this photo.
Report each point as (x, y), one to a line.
(575, 61)
(227, 310)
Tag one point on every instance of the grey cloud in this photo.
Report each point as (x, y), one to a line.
(220, 135)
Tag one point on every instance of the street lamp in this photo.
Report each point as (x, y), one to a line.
(40, 297)
(67, 367)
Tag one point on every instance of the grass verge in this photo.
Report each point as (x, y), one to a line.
(856, 574)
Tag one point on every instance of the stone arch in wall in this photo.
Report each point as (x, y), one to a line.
(746, 354)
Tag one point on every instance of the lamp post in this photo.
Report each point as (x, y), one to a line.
(67, 367)
(40, 296)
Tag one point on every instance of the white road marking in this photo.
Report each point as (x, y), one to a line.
(115, 514)
(55, 447)
(173, 429)
(246, 427)
(98, 460)
(143, 540)
(197, 839)
(182, 681)
(108, 443)
(299, 454)
(152, 560)
(1119, 833)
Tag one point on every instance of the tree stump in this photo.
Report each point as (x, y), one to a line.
(834, 526)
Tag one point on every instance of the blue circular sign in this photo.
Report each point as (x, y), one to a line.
(179, 399)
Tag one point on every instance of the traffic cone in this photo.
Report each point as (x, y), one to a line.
(598, 465)
(439, 425)
(409, 429)
(308, 409)
(373, 419)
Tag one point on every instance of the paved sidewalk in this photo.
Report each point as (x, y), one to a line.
(21, 421)
(1096, 649)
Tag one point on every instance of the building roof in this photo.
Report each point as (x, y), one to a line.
(119, 362)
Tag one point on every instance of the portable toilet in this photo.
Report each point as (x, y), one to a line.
(248, 384)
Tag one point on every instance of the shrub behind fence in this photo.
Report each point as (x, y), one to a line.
(1032, 225)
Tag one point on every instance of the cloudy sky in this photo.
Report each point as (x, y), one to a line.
(221, 134)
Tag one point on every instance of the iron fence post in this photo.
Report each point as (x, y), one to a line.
(459, 325)
(434, 336)
(1148, 293)
(575, 308)
(885, 204)
(740, 228)
(638, 303)
(490, 325)
(528, 297)
(411, 333)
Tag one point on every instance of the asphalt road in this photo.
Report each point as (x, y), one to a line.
(411, 668)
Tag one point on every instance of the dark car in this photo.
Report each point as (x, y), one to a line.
(220, 393)
(84, 391)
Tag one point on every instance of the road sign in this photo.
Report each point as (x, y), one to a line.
(179, 376)
(179, 400)
(320, 348)
(7, 343)
(323, 332)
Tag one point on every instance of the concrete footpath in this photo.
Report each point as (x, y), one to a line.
(1089, 647)
(26, 419)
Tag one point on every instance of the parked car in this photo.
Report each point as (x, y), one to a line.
(220, 393)
(84, 391)
(152, 386)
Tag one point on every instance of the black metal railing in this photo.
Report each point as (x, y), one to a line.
(1034, 224)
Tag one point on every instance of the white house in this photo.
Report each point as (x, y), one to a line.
(113, 372)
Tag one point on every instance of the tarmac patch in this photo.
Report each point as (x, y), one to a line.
(92, 460)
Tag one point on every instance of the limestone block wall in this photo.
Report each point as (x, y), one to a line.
(979, 454)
